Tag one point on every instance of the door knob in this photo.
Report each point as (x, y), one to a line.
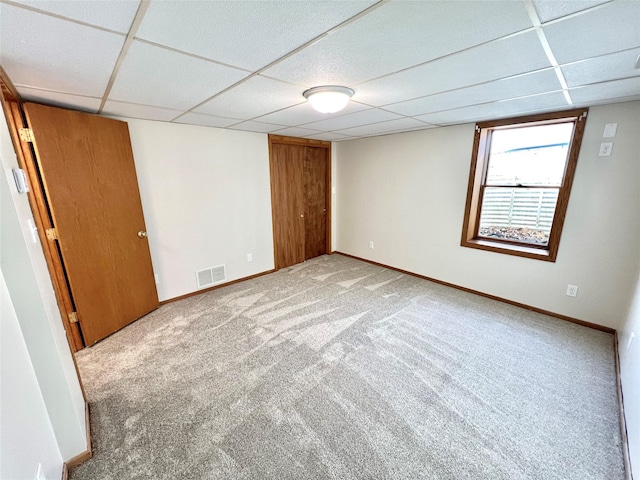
(302, 215)
(142, 234)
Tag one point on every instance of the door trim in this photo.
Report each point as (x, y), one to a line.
(304, 142)
(12, 106)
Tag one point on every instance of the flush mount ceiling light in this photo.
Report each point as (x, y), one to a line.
(328, 98)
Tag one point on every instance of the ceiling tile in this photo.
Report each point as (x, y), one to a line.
(53, 54)
(112, 14)
(261, 127)
(245, 34)
(155, 76)
(386, 127)
(297, 132)
(205, 120)
(257, 96)
(398, 35)
(455, 71)
(519, 86)
(64, 100)
(604, 91)
(304, 113)
(330, 137)
(132, 110)
(489, 111)
(394, 132)
(551, 9)
(608, 29)
(364, 117)
(601, 69)
(611, 101)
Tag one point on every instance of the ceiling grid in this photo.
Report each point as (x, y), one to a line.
(244, 64)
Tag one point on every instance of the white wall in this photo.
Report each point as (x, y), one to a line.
(29, 285)
(26, 434)
(630, 374)
(407, 193)
(206, 200)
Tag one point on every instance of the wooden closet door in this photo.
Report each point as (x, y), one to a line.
(315, 193)
(287, 182)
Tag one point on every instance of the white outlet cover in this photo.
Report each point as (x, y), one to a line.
(610, 130)
(572, 291)
(33, 230)
(605, 149)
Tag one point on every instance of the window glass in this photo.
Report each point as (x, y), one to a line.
(518, 214)
(529, 155)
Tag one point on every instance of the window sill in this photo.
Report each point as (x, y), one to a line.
(517, 250)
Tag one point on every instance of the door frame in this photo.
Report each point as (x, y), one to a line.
(12, 106)
(303, 142)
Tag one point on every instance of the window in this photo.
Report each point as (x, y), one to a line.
(521, 175)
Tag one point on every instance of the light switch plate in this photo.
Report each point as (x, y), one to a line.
(20, 177)
(40, 473)
(610, 130)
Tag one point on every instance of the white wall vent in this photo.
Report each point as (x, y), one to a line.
(211, 276)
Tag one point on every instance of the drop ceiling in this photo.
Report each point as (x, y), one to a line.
(243, 65)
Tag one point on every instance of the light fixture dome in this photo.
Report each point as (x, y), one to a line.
(328, 98)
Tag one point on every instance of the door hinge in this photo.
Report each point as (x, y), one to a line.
(52, 233)
(26, 134)
(73, 317)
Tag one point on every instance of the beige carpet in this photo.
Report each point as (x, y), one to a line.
(338, 369)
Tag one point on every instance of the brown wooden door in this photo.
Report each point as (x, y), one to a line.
(287, 167)
(88, 173)
(315, 193)
(300, 179)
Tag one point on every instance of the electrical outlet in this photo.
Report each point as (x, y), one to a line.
(605, 149)
(249, 257)
(630, 342)
(371, 244)
(33, 230)
(572, 290)
(155, 275)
